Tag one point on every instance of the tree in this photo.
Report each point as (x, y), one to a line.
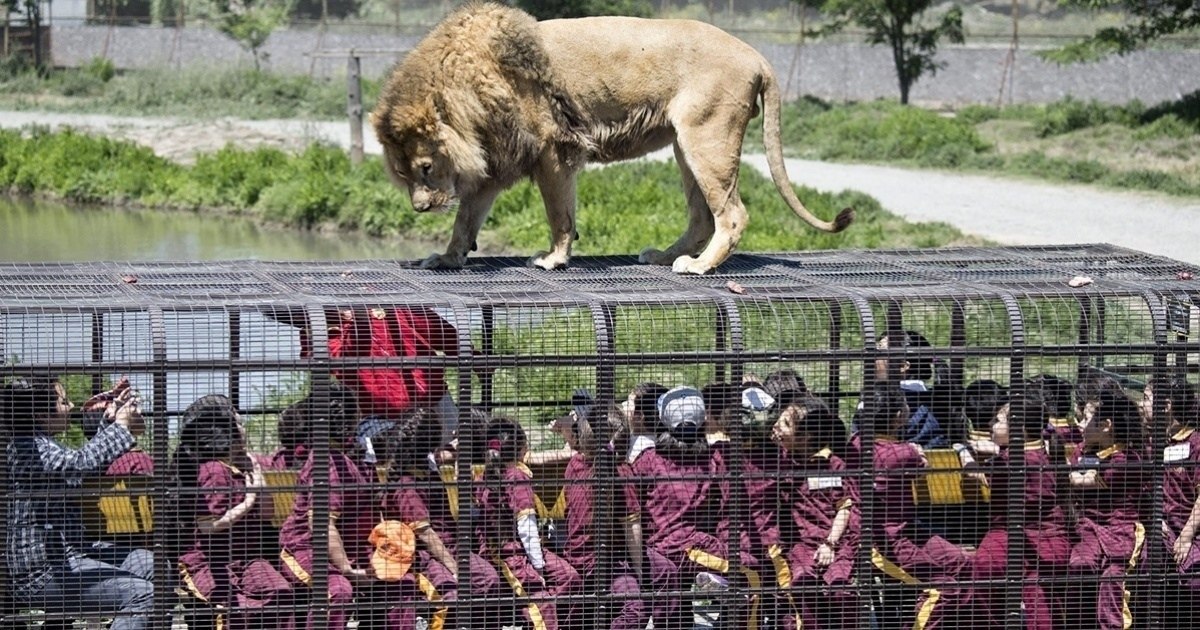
(32, 9)
(901, 25)
(250, 22)
(1152, 20)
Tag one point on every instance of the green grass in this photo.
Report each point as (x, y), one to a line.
(622, 209)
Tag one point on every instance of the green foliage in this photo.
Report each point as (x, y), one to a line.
(876, 131)
(904, 26)
(1149, 22)
(101, 68)
(250, 22)
(1186, 109)
(1071, 114)
(622, 209)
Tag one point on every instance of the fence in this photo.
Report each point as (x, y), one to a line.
(755, 508)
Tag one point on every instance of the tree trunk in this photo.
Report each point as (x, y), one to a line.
(35, 22)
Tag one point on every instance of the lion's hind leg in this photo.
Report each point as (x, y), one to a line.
(700, 220)
(556, 181)
(712, 152)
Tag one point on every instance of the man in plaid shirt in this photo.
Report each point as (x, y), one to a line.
(48, 564)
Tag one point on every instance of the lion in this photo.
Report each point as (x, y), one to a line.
(491, 96)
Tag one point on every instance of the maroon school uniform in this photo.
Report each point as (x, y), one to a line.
(422, 501)
(284, 458)
(676, 509)
(1109, 532)
(579, 548)
(131, 463)
(815, 492)
(502, 505)
(1181, 484)
(351, 508)
(228, 568)
(934, 560)
(1047, 544)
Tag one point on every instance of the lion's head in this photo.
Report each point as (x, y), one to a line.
(424, 155)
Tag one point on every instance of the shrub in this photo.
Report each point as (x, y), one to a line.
(1070, 115)
(100, 68)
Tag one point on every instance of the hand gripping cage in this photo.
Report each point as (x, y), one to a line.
(958, 332)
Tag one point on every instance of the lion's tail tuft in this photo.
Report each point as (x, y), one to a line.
(773, 144)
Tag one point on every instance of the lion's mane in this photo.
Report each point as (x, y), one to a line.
(485, 74)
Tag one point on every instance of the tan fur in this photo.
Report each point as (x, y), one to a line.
(491, 96)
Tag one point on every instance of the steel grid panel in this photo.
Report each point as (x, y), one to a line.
(405, 382)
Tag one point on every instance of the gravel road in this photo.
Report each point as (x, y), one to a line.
(1005, 210)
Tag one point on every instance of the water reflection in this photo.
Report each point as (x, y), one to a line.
(35, 231)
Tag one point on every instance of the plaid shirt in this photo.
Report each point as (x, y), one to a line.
(45, 526)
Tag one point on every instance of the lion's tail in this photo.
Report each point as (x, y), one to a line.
(774, 147)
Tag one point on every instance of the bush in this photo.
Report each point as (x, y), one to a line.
(1070, 115)
(100, 68)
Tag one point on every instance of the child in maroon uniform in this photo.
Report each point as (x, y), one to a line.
(351, 511)
(294, 434)
(1110, 533)
(421, 500)
(902, 552)
(510, 531)
(670, 496)
(822, 531)
(1047, 545)
(226, 563)
(1181, 484)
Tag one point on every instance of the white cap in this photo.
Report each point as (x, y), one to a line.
(682, 405)
(756, 399)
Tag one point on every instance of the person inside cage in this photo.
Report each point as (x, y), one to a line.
(423, 495)
(1062, 429)
(217, 541)
(586, 540)
(1180, 405)
(1110, 531)
(48, 560)
(389, 392)
(293, 432)
(905, 551)
(672, 497)
(820, 529)
(1047, 545)
(509, 532)
(353, 513)
(135, 461)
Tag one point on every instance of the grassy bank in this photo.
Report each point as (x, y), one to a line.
(1131, 146)
(622, 209)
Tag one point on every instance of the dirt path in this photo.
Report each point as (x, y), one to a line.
(1005, 210)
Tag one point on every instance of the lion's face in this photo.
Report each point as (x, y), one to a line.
(423, 167)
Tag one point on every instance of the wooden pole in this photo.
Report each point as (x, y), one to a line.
(354, 107)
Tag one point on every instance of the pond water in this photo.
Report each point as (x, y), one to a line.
(35, 231)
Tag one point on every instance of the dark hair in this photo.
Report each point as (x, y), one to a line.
(24, 400)
(1027, 413)
(506, 443)
(598, 428)
(1126, 419)
(1185, 402)
(822, 424)
(785, 386)
(415, 435)
(981, 400)
(339, 408)
(1093, 386)
(1056, 392)
(472, 437)
(723, 401)
(645, 403)
(882, 407)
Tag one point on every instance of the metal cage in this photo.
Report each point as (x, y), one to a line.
(724, 530)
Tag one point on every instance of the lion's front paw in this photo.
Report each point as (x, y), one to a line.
(444, 261)
(548, 260)
(687, 264)
(651, 256)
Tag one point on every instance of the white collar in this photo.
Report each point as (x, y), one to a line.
(913, 386)
(638, 445)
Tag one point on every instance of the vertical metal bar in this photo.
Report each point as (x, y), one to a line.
(159, 421)
(1016, 473)
(864, 568)
(321, 391)
(97, 351)
(488, 348)
(235, 353)
(721, 369)
(834, 309)
(1158, 567)
(1084, 337)
(604, 479)
(464, 480)
(354, 108)
(731, 320)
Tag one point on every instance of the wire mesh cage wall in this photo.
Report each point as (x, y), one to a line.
(817, 440)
